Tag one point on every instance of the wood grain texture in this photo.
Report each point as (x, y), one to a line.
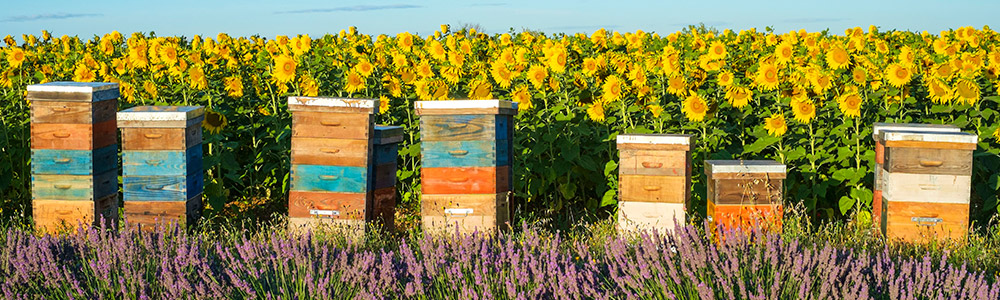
(330, 152)
(162, 162)
(747, 217)
(449, 154)
(878, 211)
(926, 187)
(930, 145)
(921, 221)
(73, 112)
(464, 127)
(74, 162)
(464, 213)
(929, 161)
(388, 153)
(338, 179)
(638, 215)
(332, 125)
(161, 138)
(162, 188)
(298, 108)
(466, 111)
(747, 176)
(384, 208)
(385, 175)
(746, 191)
(149, 214)
(663, 189)
(471, 180)
(73, 136)
(660, 147)
(350, 206)
(74, 187)
(879, 153)
(53, 216)
(654, 162)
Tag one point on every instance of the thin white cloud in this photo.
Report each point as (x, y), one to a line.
(350, 8)
(46, 17)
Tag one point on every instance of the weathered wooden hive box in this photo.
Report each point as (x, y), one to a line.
(745, 193)
(466, 152)
(74, 153)
(383, 170)
(654, 180)
(926, 184)
(332, 142)
(877, 213)
(162, 173)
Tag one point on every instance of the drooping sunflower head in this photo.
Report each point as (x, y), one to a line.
(214, 121)
(938, 91)
(522, 96)
(775, 125)
(967, 91)
(83, 74)
(739, 96)
(354, 82)
(480, 90)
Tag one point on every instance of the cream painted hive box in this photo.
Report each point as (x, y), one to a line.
(926, 184)
(745, 193)
(654, 181)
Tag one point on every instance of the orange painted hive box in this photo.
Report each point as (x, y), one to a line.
(745, 193)
(926, 184)
(466, 152)
(654, 180)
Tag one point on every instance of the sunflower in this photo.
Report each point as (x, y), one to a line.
(717, 50)
(784, 53)
(612, 88)
(822, 83)
(501, 75)
(943, 70)
(15, 58)
(364, 68)
(804, 111)
(301, 44)
(695, 107)
(850, 104)
(284, 69)
(456, 58)
(354, 82)
(967, 91)
(906, 56)
(197, 78)
(168, 55)
(656, 110)
(590, 66)
(767, 77)
(214, 121)
(137, 55)
(596, 111)
(522, 97)
(898, 75)
(837, 57)
(554, 84)
(404, 41)
(451, 74)
(775, 125)
(677, 86)
(739, 96)
(480, 90)
(83, 74)
(308, 86)
(150, 89)
(537, 75)
(555, 58)
(234, 86)
(860, 76)
(436, 50)
(725, 79)
(440, 90)
(996, 135)
(424, 70)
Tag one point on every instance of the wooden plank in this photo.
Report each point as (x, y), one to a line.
(639, 215)
(385, 135)
(351, 206)
(930, 145)
(162, 162)
(663, 189)
(747, 217)
(449, 154)
(463, 127)
(654, 162)
(53, 216)
(929, 161)
(466, 107)
(339, 179)
(72, 91)
(927, 187)
(73, 112)
(330, 152)
(459, 180)
(747, 192)
(879, 153)
(161, 138)
(384, 208)
(162, 188)
(465, 213)
(367, 105)
(747, 176)
(655, 139)
(714, 167)
(74, 162)
(878, 211)
(332, 125)
(73, 136)
(148, 214)
(385, 154)
(162, 116)
(662, 147)
(73, 187)
(385, 175)
(921, 221)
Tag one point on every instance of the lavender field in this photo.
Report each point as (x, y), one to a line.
(169, 263)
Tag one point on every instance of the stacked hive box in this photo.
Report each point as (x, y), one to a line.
(162, 173)
(466, 155)
(654, 180)
(74, 151)
(877, 212)
(331, 156)
(745, 193)
(927, 181)
(383, 170)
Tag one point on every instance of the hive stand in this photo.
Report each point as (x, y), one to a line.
(162, 172)
(654, 180)
(745, 193)
(383, 170)
(926, 182)
(74, 153)
(466, 154)
(332, 142)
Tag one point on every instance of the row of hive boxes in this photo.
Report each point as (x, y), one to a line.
(466, 155)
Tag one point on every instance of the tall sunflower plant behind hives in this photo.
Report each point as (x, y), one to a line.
(807, 99)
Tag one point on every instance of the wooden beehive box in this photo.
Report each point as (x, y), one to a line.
(74, 151)
(926, 184)
(466, 153)
(332, 152)
(162, 173)
(878, 215)
(383, 170)
(745, 193)
(654, 180)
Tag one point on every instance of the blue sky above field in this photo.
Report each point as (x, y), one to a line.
(270, 18)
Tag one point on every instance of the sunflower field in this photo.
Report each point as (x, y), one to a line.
(807, 99)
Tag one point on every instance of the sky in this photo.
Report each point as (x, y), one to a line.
(271, 18)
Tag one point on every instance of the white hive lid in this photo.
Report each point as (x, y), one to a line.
(743, 166)
(72, 91)
(655, 139)
(877, 128)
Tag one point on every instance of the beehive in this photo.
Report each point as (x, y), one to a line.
(926, 184)
(877, 213)
(74, 151)
(466, 152)
(332, 142)
(745, 193)
(383, 170)
(162, 173)
(654, 180)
